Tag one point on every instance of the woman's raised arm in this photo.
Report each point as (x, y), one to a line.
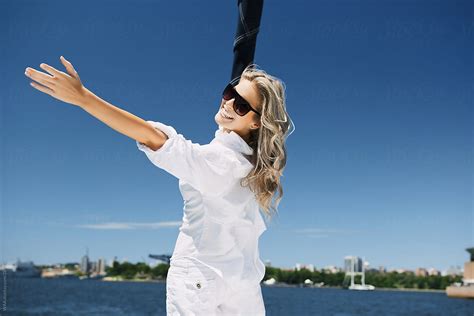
(67, 87)
(122, 121)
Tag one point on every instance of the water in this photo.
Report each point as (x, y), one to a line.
(76, 297)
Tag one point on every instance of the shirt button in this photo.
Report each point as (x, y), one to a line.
(198, 285)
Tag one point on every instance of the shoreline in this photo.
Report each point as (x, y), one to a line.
(274, 285)
(393, 289)
(409, 289)
(340, 287)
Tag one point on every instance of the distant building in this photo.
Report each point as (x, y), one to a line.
(85, 264)
(366, 265)
(101, 266)
(433, 271)
(93, 267)
(309, 267)
(453, 271)
(357, 264)
(421, 272)
(331, 269)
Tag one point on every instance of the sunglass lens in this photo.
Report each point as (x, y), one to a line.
(228, 93)
(241, 108)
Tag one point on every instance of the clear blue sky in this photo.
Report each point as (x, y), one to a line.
(380, 164)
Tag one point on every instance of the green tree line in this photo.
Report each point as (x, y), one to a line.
(392, 279)
(130, 271)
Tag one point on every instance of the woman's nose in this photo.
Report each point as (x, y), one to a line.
(228, 104)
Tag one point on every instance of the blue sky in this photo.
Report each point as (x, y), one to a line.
(380, 164)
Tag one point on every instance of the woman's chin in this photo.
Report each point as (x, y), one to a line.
(220, 121)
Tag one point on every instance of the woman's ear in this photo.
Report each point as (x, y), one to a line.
(254, 126)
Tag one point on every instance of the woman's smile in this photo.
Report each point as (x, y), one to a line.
(225, 115)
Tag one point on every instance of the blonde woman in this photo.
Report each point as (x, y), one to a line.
(215, 268)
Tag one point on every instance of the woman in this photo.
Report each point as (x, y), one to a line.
(215, 268)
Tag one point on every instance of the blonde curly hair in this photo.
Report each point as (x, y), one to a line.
(268, 141)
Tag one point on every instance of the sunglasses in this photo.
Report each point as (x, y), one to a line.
(241, 106)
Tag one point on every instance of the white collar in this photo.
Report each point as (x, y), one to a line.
(232, 140)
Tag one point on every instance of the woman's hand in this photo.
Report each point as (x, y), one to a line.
(66, 87)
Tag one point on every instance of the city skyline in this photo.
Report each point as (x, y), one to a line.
(297, 265)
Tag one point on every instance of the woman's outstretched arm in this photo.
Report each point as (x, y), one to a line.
(122, 121)
(67, 87)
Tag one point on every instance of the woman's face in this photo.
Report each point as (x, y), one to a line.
(240, 124)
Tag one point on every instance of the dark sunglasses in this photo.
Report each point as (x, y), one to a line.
(241, 106)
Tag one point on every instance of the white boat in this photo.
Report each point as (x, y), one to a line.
(352, 273)
(22, 269)
(361, 287)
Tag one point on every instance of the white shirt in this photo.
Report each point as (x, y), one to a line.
(221, 222)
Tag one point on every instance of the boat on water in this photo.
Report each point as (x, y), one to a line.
(360, 271)
(92, 277)
(361, 287)
(21, 269)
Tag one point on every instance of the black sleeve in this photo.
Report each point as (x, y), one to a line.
(248, 24)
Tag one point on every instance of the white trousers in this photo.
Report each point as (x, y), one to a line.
(193, 289)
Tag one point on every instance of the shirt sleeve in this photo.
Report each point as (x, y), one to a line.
(208, 168)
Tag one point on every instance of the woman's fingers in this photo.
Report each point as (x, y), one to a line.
(41, 77)
(42, 88)
(62, 86)
(69, 67)
(52, 70)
